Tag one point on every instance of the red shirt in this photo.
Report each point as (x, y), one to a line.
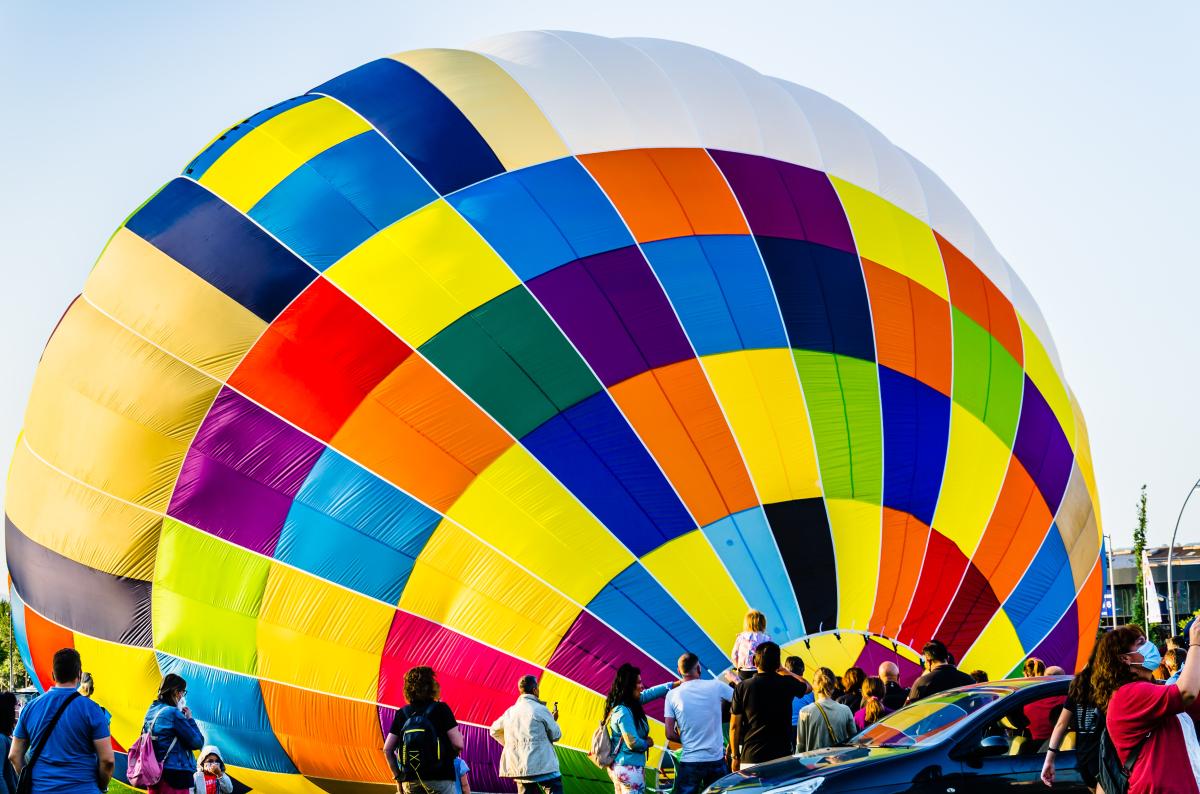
(1169, 763)
(210, 784)
(1039, 714)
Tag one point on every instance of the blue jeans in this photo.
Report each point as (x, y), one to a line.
(693, 777)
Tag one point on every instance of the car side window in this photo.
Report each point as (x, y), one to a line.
(1027, 727)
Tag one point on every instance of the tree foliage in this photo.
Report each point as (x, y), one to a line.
(9, 656)
(1139, 548)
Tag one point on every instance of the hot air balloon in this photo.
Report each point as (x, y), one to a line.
(540, 357)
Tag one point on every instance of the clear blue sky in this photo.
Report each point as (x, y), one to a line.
(1068, 128)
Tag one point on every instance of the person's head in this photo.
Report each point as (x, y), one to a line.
(980, 676)
(872, 699)
(421, 686)
(87, 685)
(1034, 667)
(766, 657)
(935, 653)
(211, 760)
(755, 621)
(889, 671)
(626, 690)
(853, 678)
(67, 667)
(823, 683)
(689, 666)
(8, 712)
(172, 689)
(1178, 641)
(872, 687)
(1055, 670)
(1173, 659)
(1122, 656)
(794, 664)
(528, 685)
(1161, 673)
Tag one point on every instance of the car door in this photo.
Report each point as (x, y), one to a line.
(1017, 764)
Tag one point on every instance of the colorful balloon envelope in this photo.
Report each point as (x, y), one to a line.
(541, 357)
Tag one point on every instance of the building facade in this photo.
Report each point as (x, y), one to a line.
(1185, 576)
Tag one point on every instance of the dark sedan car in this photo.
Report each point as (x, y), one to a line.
(982, 738)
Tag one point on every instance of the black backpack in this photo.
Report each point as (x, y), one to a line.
(420, 746)
(1114, 776)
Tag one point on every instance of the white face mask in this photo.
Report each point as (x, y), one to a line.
(182, 704)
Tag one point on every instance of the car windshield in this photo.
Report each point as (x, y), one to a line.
(924, 723)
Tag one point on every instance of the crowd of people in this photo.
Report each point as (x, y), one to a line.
(1132, 706)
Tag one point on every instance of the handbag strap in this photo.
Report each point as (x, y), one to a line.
(150, 731)
(1127, 768)
(44, 736)
(828, 724)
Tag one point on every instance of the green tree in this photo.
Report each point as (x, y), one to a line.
(9, 656)
(1139, 547)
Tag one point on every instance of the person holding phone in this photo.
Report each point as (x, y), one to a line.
(528, 730)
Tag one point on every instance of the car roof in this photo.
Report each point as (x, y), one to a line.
(1010, 686)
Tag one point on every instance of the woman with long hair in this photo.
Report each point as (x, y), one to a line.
(1084, 717)
(872, 709)
(8, 721)
(1150, 725)
(852, 683)
(754, 634)
(628, 728)
(175, 736)
(424, 711)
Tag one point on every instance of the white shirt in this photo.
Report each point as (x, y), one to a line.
(696, 708)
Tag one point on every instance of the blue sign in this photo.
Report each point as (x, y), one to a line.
(1106, 605)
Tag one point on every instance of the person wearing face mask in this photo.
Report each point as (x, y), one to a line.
(1152, 726)
(211, 777)
(175, 736)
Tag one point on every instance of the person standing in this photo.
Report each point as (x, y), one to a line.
(761, 711)
(873, 708)
(628, 728)
(1174, 659)
(1082, 716)
(1152, 726)
(693, 714)
(77, 757)
(894, 694)
(1033, 667)
(795, 665)
(754, 633)
(979, 676)
(211, 777)
(826, 722)
(427, 734)
(8, 721)
(175, 736)
(527, 731)
(940, 675)
(852, 683)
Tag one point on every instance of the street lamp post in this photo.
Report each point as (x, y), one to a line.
(1171, 556)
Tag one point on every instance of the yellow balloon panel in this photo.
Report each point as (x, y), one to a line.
(114, 411)
(80, 523)
(268, 153)
(175, 309)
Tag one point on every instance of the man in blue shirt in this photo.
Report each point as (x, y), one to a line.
(795, 665)
(78, 756)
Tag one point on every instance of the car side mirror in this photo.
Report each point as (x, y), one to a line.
(991, 746)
